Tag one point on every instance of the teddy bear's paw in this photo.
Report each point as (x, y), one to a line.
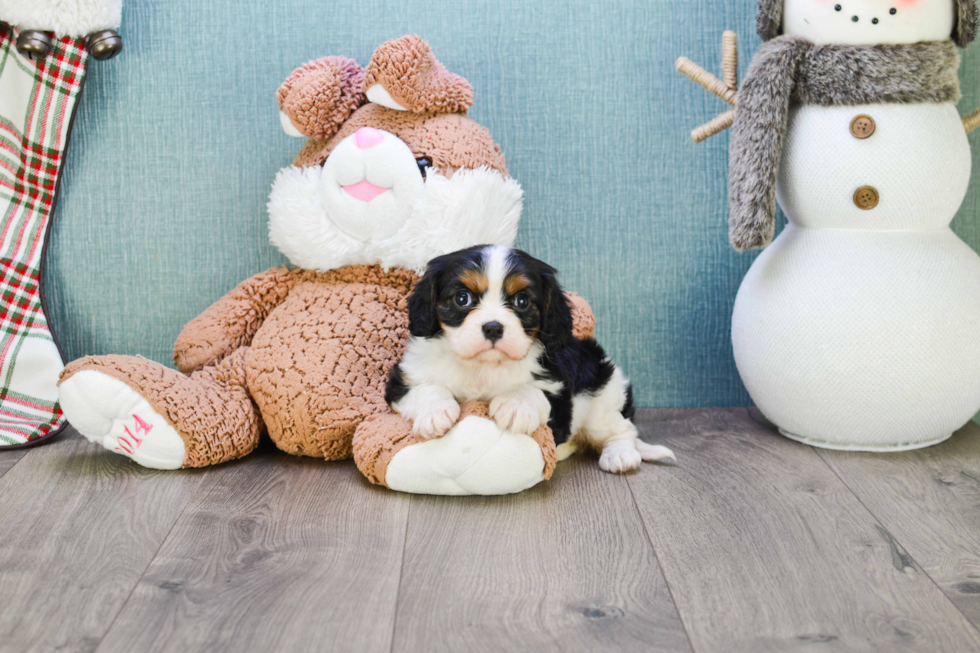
(474, 457)
(521, 411)
(436, 420)
(108, 412)
(619, 457)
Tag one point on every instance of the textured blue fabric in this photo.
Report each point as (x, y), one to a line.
(177, 142)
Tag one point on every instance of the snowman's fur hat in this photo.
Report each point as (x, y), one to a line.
(769, 21)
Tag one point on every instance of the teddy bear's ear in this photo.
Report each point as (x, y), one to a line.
(404, 74)
(319, 96)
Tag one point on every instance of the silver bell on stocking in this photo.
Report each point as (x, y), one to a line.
(104, 45)
(34, 44)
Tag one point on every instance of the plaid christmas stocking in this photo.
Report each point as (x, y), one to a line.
(37, 104)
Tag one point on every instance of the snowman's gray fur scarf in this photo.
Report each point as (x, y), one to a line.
(789, 70)
(769, 20)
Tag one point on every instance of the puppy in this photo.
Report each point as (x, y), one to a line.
(490, 323)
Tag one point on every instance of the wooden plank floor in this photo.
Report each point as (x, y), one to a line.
(751, 543)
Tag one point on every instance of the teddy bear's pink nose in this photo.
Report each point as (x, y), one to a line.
(368, 137)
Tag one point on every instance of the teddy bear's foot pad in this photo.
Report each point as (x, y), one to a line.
(108, 412)
(475, 457)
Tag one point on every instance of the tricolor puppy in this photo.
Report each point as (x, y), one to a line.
(490, 323)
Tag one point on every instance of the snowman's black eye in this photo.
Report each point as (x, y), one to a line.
(874, 21)
(837, 7)
(893, 11)
(423, 163)
(854, 18)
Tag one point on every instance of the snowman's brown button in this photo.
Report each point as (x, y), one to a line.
(866, 198)
(862, 126)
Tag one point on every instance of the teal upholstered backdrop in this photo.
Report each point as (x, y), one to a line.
(177, 141)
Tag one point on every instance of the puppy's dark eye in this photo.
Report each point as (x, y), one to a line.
(464, 299)
(423, 163)
(521, 301)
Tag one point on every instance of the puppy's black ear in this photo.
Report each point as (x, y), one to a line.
(556, 318)
(423, 322)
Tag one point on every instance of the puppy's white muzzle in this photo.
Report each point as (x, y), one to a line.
(469, 341)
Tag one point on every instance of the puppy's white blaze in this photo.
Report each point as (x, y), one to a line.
(495, 261)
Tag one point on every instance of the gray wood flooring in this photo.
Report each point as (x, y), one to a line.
(751, 543)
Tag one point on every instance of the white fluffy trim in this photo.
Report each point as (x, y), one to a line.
(63, 17)
(474, 207)
(300, 228)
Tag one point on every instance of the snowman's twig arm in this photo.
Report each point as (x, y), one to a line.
(972, 121)
(702, 77)
(727, 90)
(729, 58)
(715, 126)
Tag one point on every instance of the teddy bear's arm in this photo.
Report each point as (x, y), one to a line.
(230, 322)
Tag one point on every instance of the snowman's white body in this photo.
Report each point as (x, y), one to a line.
(860, 329)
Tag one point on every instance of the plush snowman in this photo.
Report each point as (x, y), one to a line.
(859, 326)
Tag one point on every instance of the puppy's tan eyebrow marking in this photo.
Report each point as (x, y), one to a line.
(475, 281)
(515, 283)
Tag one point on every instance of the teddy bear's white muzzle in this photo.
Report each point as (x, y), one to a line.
(369, 184)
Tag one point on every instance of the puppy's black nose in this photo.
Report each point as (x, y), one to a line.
(493, 331)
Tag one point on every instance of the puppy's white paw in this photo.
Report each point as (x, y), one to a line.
(619, 457)
(521, 411)
(434, 421)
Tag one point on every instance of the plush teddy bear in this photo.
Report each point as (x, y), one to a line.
(393, 174)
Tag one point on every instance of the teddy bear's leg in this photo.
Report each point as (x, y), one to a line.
(316, 374)
(158, 417)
